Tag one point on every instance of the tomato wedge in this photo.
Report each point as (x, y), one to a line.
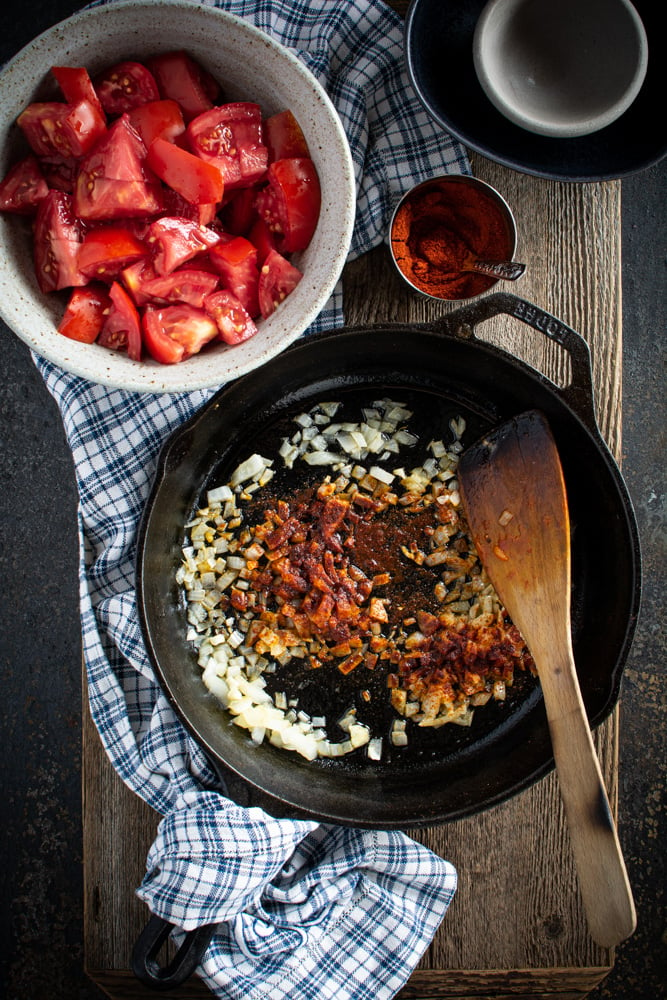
(232, 320)
(236, 260)
(277, 278)
(283, 137)
(174, 333)
(125, 86)
(181, 79)
(23, 188)
(122, 330)
(105, 251)
(60, 174)
(86, 312)
(195, 180)
(175, 241)
(76, 85)
(53, 128)
(290, 204)
(238, 213)
(188, 285)
(57, 239)
(230, 136)
(113, 181)
(157, 119)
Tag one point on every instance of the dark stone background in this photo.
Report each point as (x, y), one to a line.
(40, 756)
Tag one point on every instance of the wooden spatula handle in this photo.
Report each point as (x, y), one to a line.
(601, 871)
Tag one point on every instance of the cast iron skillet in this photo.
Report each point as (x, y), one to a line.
(440, 369)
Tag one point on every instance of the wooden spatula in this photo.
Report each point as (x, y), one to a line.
(514, 496)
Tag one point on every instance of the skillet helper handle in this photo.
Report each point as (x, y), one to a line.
(145, 965)
(579, 393)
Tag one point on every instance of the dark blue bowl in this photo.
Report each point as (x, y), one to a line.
(438, 52)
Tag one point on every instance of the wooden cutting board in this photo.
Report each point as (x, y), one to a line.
(516, 926)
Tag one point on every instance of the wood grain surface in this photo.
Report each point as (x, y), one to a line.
(516, 926)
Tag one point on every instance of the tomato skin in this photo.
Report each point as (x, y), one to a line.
(290, 204)
(175, 241)
(60, 174)
(179, 78)
(125, 86)
(113, 181)
(105, 251)
(85, 313)
(157, 119)
(175, 204)
(122, 329)
(284, 138)
(230, 136)
(23, 188)
(133, 278)
(195, 180)
(236, 261)
(57, 239)
(174, 333)
(189, 285)
(277, 278)
(237, 212)
(76, 85)
(262, 239)
(53, 128)
(232, 320)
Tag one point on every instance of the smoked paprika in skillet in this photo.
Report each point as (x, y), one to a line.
(440, 370)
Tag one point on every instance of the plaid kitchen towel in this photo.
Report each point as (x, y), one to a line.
(303, 910)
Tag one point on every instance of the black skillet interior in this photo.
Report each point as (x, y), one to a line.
(445, 773)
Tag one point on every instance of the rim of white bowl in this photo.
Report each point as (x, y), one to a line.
(29, 316)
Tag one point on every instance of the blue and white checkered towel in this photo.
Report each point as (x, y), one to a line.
(304, 910)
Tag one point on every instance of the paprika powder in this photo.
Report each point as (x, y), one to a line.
(443, 222)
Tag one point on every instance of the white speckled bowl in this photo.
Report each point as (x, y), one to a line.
(250, 66)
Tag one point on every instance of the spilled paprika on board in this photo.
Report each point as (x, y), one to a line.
(440, 224)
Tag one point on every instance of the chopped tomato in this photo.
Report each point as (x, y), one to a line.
(290, 204)
(176, 241)
(232, 320)
(283, 137)
(85, 314)
(60, 174)
(171, 208)
(175, 204)
(113, 181)
(262, 239)
(76, 85)
(230, 136)
(125, 86)
(236, 261)
(134, 277)
(122, 330)
(238, 213)
(277, 278)
(186, 285)
(105, 251)
(157, 119)
(23, 188)
(174, 333)
(57, 240)
(194, 179)
(181, 79)
(57, 129)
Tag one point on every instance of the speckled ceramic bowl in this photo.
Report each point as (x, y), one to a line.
(250, 66)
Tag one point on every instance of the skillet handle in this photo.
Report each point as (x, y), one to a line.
(579, 393)
(145, 965)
